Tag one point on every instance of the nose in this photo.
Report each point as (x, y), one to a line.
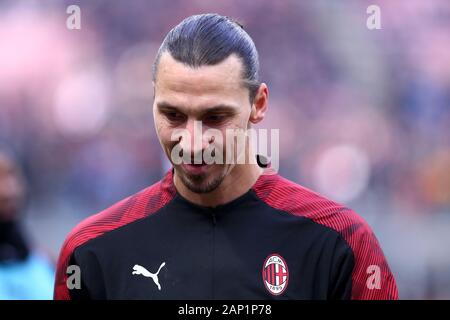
(194, 141)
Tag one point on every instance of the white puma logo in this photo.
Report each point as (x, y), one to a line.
(137, 269)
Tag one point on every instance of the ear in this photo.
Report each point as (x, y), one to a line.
(260, 104)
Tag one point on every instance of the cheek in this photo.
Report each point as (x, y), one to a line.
(165, 137)
(242, 122)
(243, 118)
(163, 131)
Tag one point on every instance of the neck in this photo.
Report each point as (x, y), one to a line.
(237, 182)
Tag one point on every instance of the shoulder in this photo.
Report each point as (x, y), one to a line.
(126, 211)
(283, 194)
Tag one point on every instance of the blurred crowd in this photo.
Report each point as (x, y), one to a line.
(364, 115)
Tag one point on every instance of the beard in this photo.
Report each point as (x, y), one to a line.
(204, 182)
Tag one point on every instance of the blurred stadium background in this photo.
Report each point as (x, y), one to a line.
(364, 116)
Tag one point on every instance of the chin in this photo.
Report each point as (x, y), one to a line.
(204, 182)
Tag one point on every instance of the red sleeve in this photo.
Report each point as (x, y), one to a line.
(372, 278)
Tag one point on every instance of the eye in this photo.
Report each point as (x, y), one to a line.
(215, 118)
(174, 116)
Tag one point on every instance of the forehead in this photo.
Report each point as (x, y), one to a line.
(183, 83)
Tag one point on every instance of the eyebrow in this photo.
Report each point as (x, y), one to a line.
(165, 106)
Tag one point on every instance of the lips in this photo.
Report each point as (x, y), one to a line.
(195, 168)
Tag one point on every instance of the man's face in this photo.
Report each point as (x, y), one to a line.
(214, 95)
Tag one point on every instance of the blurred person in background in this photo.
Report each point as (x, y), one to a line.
(25, 273)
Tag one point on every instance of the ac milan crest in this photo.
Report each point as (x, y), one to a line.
(275, 274)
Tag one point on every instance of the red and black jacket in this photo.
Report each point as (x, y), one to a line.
(279, 240)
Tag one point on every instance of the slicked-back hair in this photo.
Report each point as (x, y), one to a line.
(208, 39)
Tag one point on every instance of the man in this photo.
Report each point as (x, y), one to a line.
(222, 230)
(25, 273)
